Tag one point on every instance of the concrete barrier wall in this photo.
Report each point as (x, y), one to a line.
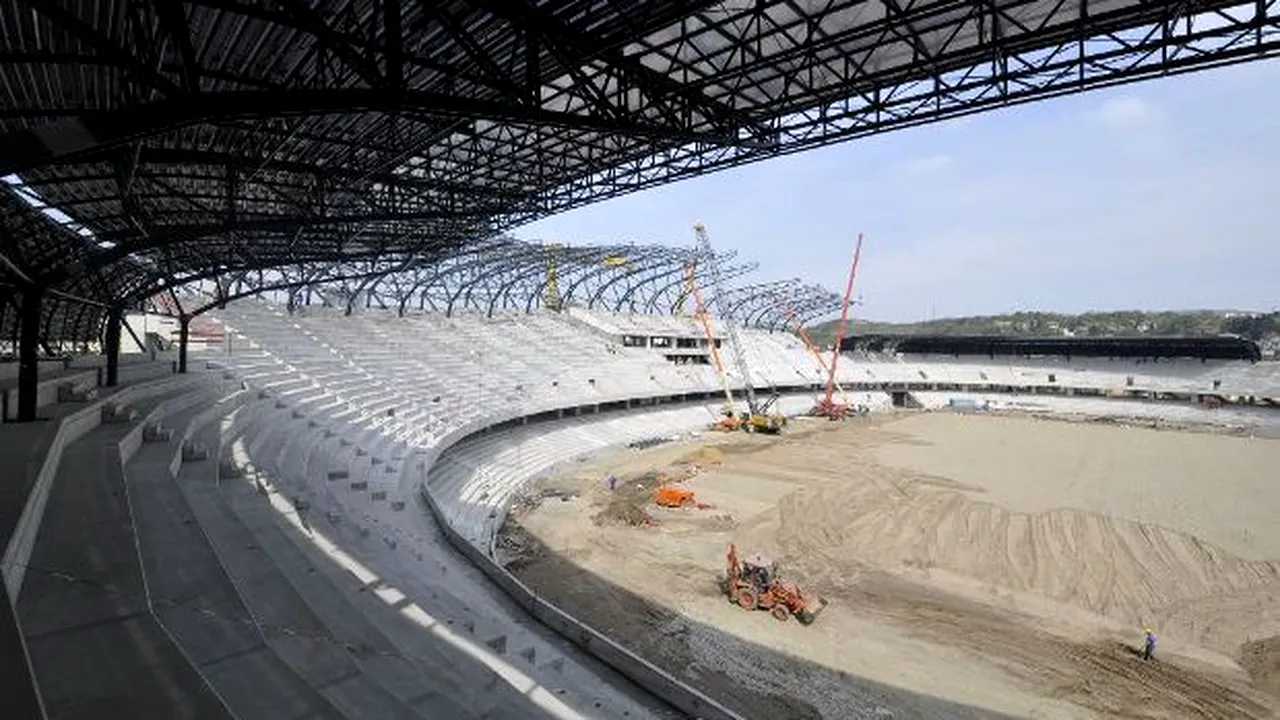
(9, 370)
(223, 406)
(637, 669)
(126, 360)
(640, 671)
(664, 399)
(137, 372)
(71, 428)
(47, 390)
(130, 443)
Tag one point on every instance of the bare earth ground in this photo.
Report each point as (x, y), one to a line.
(1002, 564)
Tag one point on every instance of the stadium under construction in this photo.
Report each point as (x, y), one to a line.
(276, 371)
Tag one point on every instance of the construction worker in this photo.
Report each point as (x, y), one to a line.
(1148, 644)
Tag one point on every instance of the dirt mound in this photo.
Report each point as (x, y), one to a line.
(1127, 571)
(1261, 659)
(626, 503)
(704, 456)
(1106, 677)
(623, 513)
(984, 562)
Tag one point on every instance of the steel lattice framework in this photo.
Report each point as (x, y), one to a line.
(499, 275)
(765, 305)
(186, 139)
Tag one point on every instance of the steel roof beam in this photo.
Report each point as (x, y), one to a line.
(581, 50)
(173, 18)
(128, 243)
(312, 22)
(27, 149)
(358, 45)
(494, 76)
(102, 45)
(213, 158)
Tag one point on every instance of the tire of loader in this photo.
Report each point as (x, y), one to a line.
(747, 600)
(734, 589)
(805, 617)
(780, 613)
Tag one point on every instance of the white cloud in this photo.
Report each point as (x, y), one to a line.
(1123, 113)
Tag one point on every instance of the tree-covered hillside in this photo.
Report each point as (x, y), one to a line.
(1264, 328)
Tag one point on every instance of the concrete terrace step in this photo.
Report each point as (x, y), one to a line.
(96, 650)
(405, 548)
(318, 534)
(382, 664)
(301, 639)
(194, 598)
(295, 552)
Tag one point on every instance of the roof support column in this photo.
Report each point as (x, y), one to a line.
(111, 345)
(184, 333)
(28, 353)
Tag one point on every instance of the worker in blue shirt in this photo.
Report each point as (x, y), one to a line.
(1149, 644)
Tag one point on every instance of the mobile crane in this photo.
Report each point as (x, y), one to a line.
(729, 421)
(803, 334)
(757, 418)
(827, 407)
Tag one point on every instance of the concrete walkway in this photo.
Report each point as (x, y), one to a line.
(96, 650)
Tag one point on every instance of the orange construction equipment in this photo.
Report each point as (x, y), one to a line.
(730, 420)
(753, 584)
(673, 496)
(827, 407)
(808, 343)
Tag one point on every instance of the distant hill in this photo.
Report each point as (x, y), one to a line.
(1263, 328)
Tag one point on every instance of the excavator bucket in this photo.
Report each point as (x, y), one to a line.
(812, 611)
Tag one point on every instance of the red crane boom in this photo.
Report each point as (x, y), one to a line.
(827, 407)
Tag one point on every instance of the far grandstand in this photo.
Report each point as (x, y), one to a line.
(376, 496)
(373, 452)
(1133, 347)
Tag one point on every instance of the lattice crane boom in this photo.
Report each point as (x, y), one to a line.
(700, 312)
(844, 322)
(731, 332)
(803, 334)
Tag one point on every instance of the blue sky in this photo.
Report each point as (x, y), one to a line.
(1158, 195)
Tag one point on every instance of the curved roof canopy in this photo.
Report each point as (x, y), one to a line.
(187, 139)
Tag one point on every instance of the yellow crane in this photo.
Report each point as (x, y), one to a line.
(730, 420)
(757, 418)
(551, 298)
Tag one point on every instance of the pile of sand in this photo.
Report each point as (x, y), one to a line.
(705, 456)
(1133, 573)
(937, 537)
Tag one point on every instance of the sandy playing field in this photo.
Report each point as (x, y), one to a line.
(976, 566)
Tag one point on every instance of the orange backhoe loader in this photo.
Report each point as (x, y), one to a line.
(753, 584)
